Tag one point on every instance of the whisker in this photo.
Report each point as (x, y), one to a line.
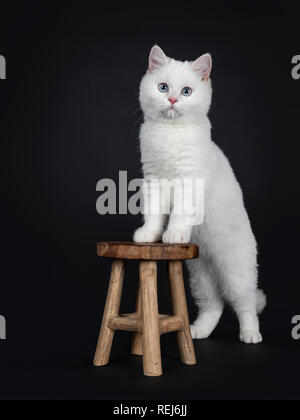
(136, 111)
(139, 119)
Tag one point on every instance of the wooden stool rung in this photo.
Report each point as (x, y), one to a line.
(135, 315)
(131, 323)
(170, 324)
(122, 323)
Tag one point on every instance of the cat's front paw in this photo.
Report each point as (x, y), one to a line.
(251, 337)
(144, 234)
(175, 237)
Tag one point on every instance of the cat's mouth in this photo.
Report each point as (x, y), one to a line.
(172, 112)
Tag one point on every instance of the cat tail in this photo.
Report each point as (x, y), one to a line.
(261, 301)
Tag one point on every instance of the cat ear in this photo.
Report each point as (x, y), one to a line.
(203, 66)
(157, 58)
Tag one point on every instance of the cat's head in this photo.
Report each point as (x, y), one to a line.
(176, 90)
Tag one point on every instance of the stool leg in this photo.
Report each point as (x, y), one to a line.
(137, 340)
(151, 334)
(112, 307)
(185, 341)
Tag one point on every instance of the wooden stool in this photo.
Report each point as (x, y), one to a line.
(146, 323)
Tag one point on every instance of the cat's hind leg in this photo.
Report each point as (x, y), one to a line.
(239, 282)
(207, 296)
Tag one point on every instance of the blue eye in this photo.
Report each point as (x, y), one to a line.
(163, 87)
(186, 91)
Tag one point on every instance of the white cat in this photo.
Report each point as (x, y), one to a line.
(176, 142)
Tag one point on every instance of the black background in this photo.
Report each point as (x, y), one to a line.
(69, 117)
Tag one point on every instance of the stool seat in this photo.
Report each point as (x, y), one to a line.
(147, 251)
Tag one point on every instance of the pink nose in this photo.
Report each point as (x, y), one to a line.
(173, 100)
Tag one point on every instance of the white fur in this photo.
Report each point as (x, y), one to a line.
(176, 143)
